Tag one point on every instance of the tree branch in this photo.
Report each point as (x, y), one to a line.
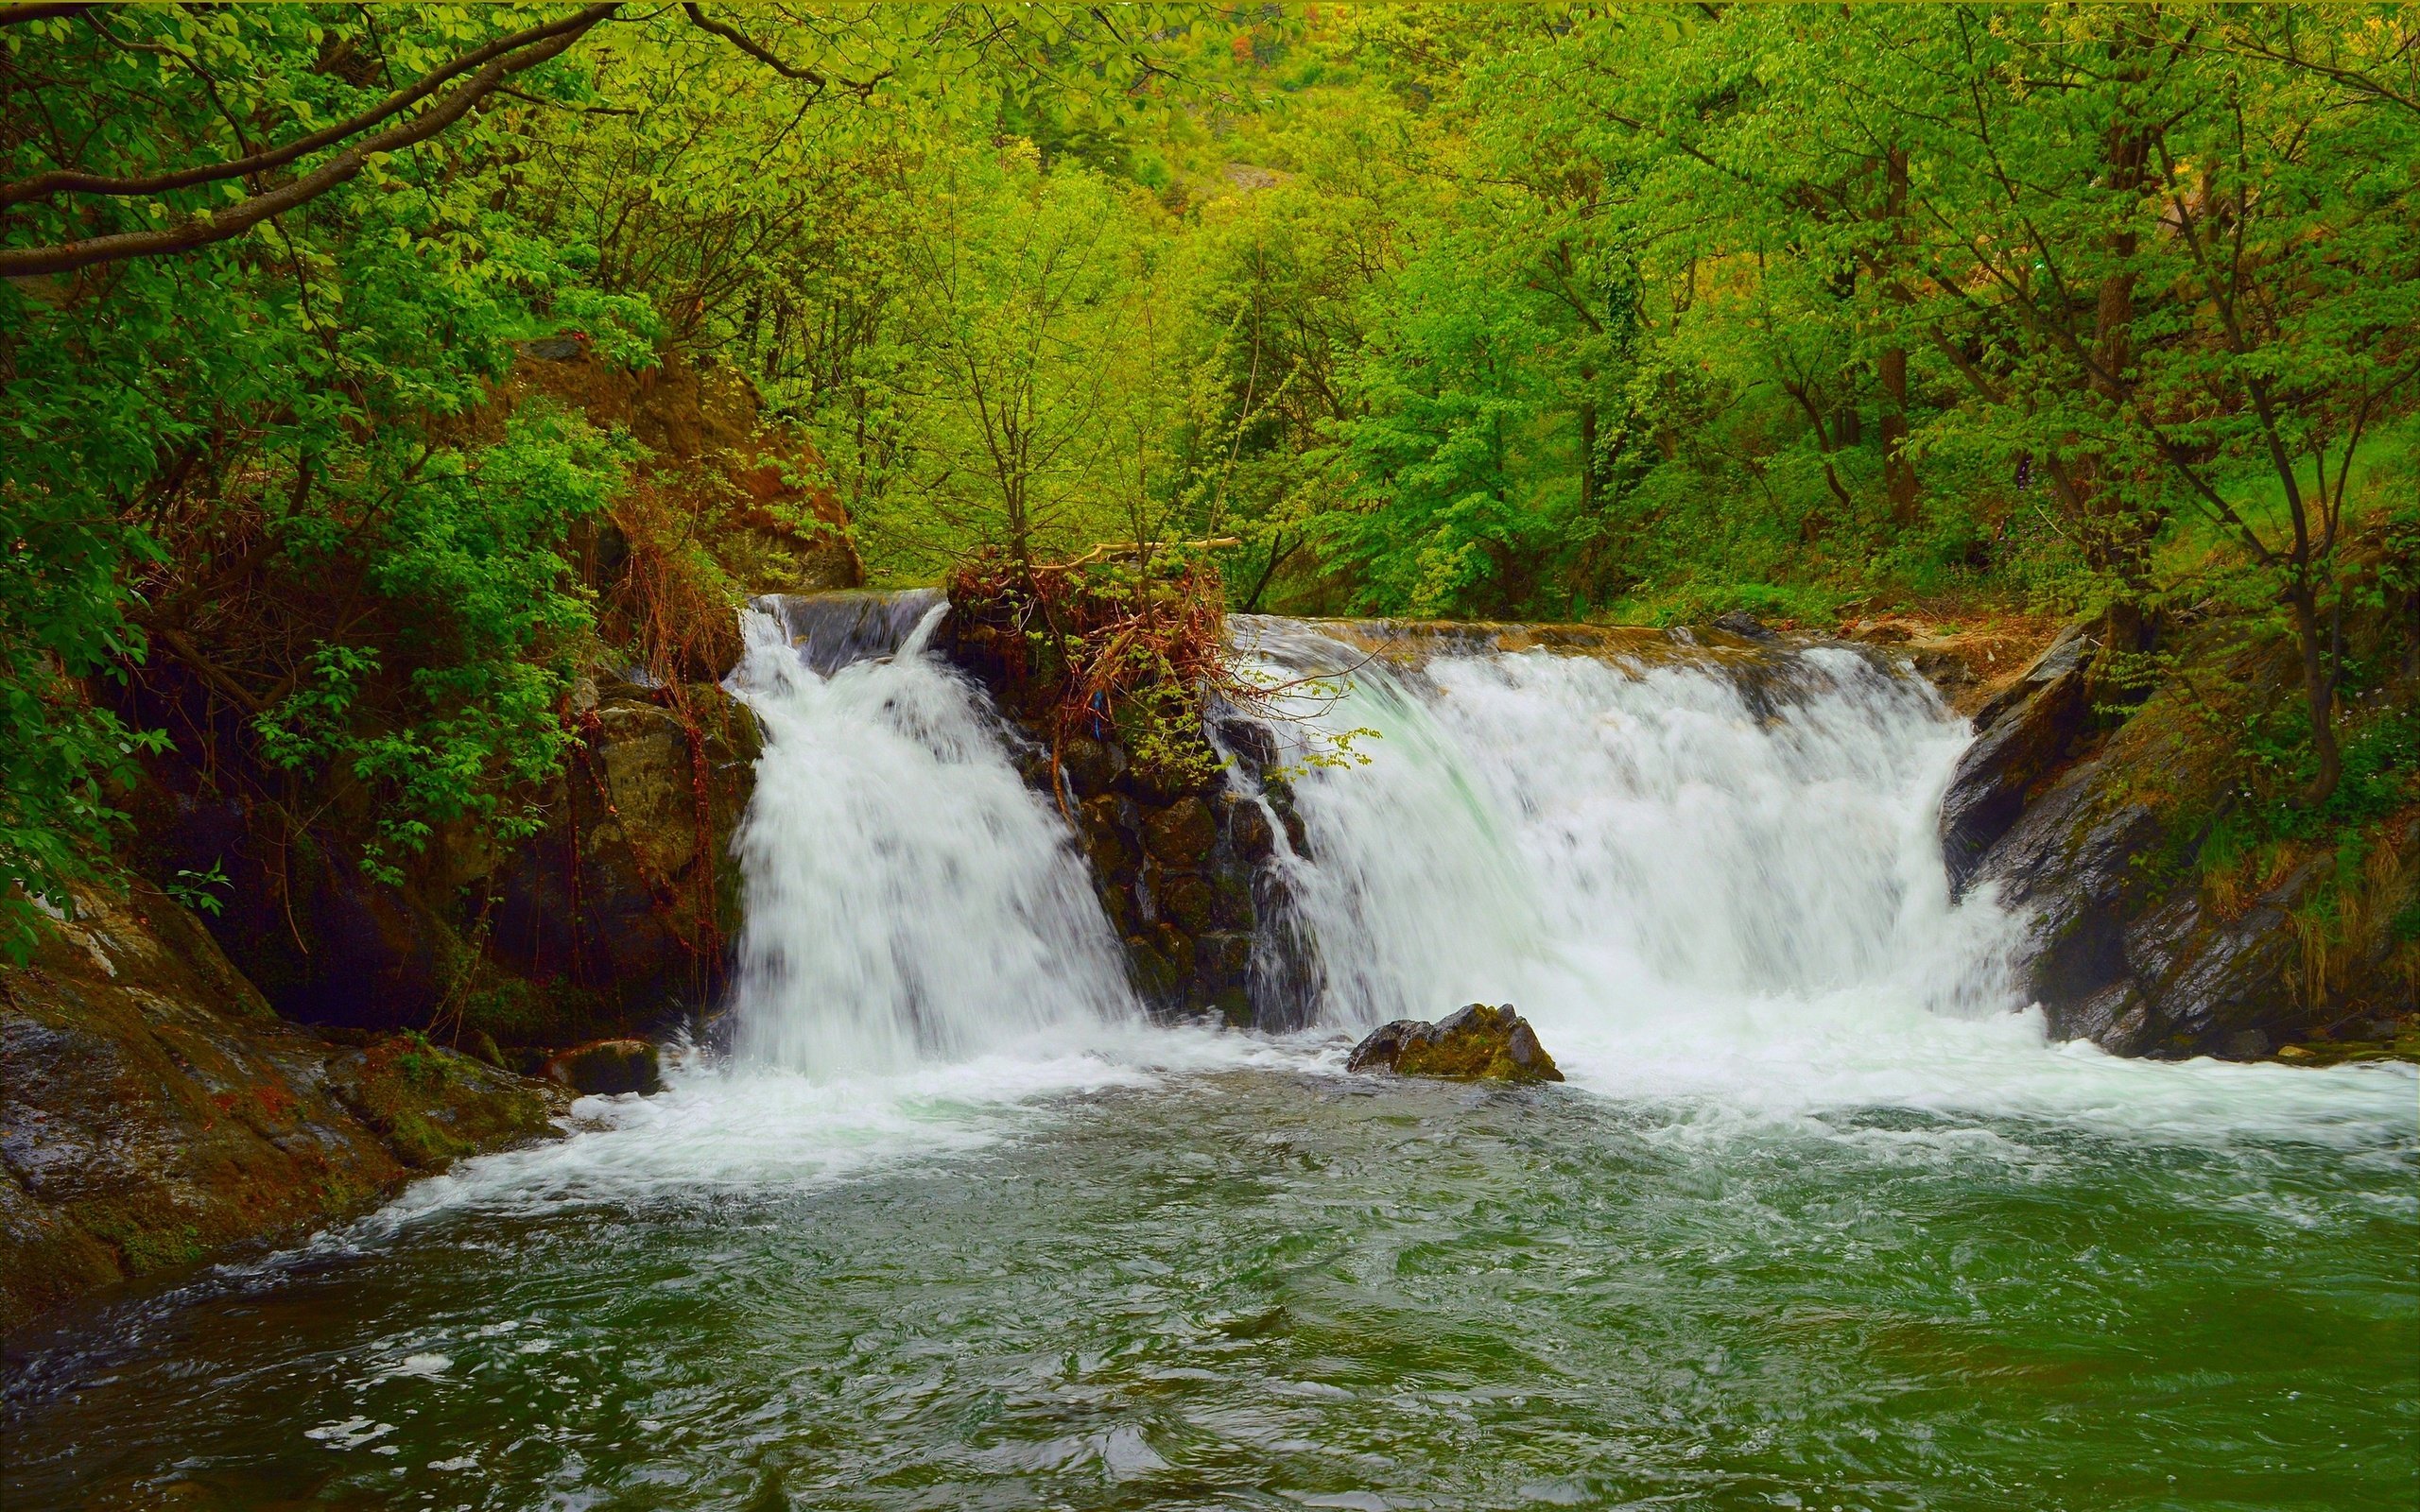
(204, 230)
(862, 88)
(69, 181)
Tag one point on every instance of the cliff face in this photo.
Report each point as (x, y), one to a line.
(611, 920)
(156, 1111)
(2149, 934)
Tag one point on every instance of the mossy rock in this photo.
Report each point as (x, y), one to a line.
(609, 1067)
(1478, 1043)
(433, 1106)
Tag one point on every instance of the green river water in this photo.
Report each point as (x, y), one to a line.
(1271, 1285)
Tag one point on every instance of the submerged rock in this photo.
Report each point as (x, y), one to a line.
(606, 1067)
(1478, 1043)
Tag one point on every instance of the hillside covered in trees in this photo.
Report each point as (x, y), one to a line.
(1633, 314)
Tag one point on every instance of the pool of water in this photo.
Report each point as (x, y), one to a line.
(1247, 1280)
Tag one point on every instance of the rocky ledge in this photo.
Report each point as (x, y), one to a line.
(156, 1111)
(2101, 822)
(1478, 1043)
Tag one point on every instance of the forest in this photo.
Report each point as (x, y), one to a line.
(1613, 313)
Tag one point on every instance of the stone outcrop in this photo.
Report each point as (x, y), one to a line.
(611, 920)
(1177, 873)
(616, 917)
(608, 1067)
(2132, 941)
(156, 1112)
(1476, 1043)
(2024, 735)
(1186, 868)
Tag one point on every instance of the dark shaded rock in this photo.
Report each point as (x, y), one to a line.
(1156, 977)
(1181, 833)
(154, 1112)
(1181, 864)
(2025, 735)
(1298, 839)
(1223, 959)
(1252, 742)
(2135, 940)
(2069, 861)
(1090, 767)
(1187, 901)
(2245, 1045)
(608, 920)
(1113, 831)
(607, 1067)
(615, 917)
(1747, 627)
(1379, 1047)
(2117, 953)
(1478, 1042)
(1248, 828)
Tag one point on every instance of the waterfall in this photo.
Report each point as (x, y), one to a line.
(1675, 860)
(1671, 857)
(908, 897)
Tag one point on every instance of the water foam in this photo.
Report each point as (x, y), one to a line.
(909, 899)
(1716, 888)
(1720, 898)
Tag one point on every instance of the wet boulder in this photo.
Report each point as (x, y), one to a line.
(2023, 737)
(1478, 1043)
(1181, 833)
(605, 1067)
(154, 1112)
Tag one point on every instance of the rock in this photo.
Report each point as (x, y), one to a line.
(1248, 826)
(1252, 743)
(613, 918)
(1223, 959)
(1110, 828)
(1090, 765)
(2025, 734)
(1478, 1043)
(1187, 900)
(607, 922)
(1747, 627)
(606, 1067)
(2135, 938)
(1181, 833)
(154, 1112)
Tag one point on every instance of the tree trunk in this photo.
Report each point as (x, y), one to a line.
(2124, 545)
(1898, 473)
(1898, 469)
(2319, 688)
(1588, 458)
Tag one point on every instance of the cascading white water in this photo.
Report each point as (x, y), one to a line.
(1651, 830)
(908, 897)
(1699, 880)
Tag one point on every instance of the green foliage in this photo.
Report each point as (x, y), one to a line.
(1643, 313)
(194, 889)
